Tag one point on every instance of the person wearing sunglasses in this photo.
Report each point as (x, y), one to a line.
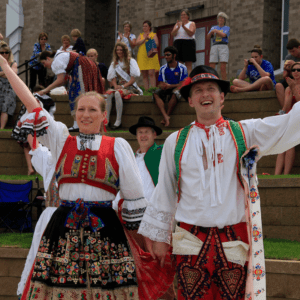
(285, 160)
(170, 77)
(7, 94)
(37, 68)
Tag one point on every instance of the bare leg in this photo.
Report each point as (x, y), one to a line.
(212, 65)
(287, 100)
(280, 93)
(171, 105)
(145, 79)
(289, 160)
(279, 163)
(240, 83)
(3, 121)
(152, 78)
(266, 82)
(161, 107)
(188, 65)
(28, 161)
(223, 70)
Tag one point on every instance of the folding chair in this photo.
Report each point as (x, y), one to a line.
(38, 200)
(15, 207)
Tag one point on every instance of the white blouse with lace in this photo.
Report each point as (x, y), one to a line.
(60, 62)
(134, 69)
(211, 195)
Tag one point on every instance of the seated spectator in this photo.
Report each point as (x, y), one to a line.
(127, 37)
(293, 46)
(79, 45)
(66, 43)
(259, 71)
(92, 54)
(38, 69)
(121, 75)
(7, 94)
(170, 77)
(282, 85)
(285, 160)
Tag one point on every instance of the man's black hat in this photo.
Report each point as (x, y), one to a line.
(202, 73)
(145, 122)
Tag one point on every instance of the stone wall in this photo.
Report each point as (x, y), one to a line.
(251, 22)
(100, 26)
(294, 19)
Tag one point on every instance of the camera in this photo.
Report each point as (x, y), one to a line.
(249, 62)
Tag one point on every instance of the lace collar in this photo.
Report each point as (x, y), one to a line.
(86, 140)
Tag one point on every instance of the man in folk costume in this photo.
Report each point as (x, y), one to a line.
(148, 158)
(211, 165)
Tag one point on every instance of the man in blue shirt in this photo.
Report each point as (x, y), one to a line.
(170, 77)
(259, 71)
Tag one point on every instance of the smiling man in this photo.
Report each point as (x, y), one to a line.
(218, 238)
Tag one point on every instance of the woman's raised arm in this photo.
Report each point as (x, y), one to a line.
(19, 86)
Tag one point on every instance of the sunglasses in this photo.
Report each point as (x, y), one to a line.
(168, 54)
(6, 52)
(295, 70)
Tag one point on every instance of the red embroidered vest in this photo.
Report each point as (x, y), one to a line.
(96, 168)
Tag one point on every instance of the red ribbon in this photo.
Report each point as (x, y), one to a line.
(37, 112)
(120, 211)
(105, 122)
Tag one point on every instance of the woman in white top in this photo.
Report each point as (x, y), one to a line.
(127, 37)
(121, 75)
(75, 261)
(184, 39)
(84, 72)
(66, 43)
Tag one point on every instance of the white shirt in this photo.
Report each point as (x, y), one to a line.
(182, 34)
(125, 40)
(147, 181)
(129, 177)
(212, 197)
(60, 62)
(68, 49)
(134, 69)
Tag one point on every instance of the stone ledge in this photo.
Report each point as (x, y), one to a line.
(279, 182)
(283, 266)
(13, 252)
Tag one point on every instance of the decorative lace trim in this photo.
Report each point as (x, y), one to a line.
(154, 233)
(162, 216)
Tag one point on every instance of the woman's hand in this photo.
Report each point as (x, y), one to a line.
(127, 34)
(42, 92)
(246, 63)
(3, 61)
(179, 24)
(120, 35)
(291, 82)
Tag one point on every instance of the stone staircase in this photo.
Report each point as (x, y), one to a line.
(237, 106)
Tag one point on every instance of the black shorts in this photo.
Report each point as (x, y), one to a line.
(186, 50)
(284, 83)
(163, 94)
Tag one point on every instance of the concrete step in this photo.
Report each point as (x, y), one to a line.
(237, 106)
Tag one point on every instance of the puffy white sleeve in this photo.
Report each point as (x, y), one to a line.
(275, 134)
(131, 187)
(157, 223)
(43, 164)
(111, 72)
(60, 63)
(134, 68)
(55, 137)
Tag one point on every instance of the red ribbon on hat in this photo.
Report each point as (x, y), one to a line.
(37, 112)
(186, 82)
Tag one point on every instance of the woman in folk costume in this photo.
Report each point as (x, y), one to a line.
(85, 75)
(121, 75)
(218, 238)
(84, 252)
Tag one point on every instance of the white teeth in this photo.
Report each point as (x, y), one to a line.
(206, 102)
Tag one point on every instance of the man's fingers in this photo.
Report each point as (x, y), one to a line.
(162, 261)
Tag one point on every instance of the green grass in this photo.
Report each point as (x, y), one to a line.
(20, 177)
(274, 248)
(19, 240)
(282, 249)
(5, 130)
(278, 176)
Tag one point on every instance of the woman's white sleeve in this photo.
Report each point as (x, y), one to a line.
(111, 72)
(134, 68)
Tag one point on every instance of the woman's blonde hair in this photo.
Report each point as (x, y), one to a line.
(11, 56)
(126, 60)
(102, 104)
(65, 37)
(76, 33)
